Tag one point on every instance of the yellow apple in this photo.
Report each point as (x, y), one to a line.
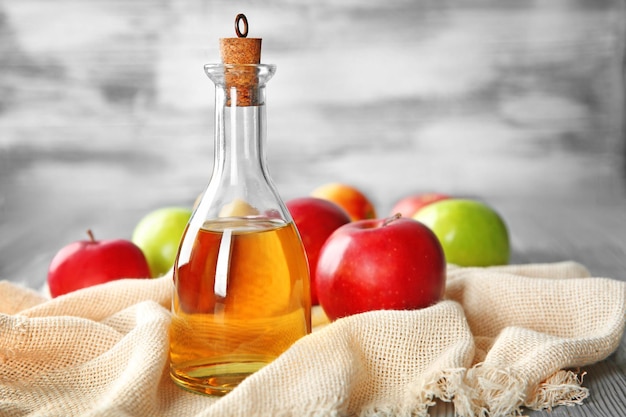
(351, 199)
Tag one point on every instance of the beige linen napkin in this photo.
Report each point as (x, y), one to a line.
(505, 337)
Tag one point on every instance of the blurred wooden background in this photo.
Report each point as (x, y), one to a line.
(106, 114)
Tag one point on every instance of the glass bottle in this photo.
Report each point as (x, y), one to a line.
(241, 279)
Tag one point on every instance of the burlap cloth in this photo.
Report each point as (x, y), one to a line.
(504, 338)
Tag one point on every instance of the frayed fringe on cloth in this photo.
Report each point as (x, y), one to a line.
(562, 388)
(488, 392)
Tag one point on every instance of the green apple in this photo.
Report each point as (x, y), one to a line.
(471, 232)
(158, 235)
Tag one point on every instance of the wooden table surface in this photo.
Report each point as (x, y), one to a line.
(106, 114)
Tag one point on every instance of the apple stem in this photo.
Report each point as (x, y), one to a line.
(392, 218)
(90, 234)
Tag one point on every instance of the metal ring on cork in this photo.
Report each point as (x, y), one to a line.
(241, 17)
(241, 49)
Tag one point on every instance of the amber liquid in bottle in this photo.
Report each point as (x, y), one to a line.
(237, 303)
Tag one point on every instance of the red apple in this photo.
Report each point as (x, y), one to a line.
(393, 264)
(351, 199)
(411, 204)
(89, 262)
(315, 219)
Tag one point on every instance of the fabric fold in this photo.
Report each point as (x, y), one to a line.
(532, 331)
(504, 338)
(367, 364)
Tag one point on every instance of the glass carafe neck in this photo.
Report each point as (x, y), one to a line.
(243, 83)
(240, 171)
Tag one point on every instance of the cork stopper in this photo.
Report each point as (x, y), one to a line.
(241, 51)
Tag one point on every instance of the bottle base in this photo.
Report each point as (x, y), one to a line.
(215, 378)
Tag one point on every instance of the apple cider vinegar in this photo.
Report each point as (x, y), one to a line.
(238, 301)
(241, 277)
